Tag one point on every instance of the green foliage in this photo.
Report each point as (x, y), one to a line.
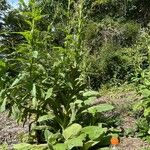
(143, 106)
(49, 85)
(143, 128)
(114, 51)
(51, 49)
(145, 92)
(25, 146)
(4, 147)
(76, 136)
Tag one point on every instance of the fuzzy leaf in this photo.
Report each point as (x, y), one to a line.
(89, 144)
(145, 92)
(99, 109)
(46, 117)
(60, 146)
(22, 146)
(90, 100)
(74, 142)
(72, 130)
(94, 132)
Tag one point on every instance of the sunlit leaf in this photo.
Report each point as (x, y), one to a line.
(3, 105)
(34, 102)
(33, 92)
(99, 108)
(72, 130)
(49, 93)
(93, 132)
(49, 116)
(60, 146)
(90, 93)
(35, 54)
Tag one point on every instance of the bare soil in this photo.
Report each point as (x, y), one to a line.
(133, 144)
(10, 130)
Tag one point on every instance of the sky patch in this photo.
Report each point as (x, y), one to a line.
(14, 3)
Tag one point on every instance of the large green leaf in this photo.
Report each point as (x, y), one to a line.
(49, 116)
(90, 100)
(47, 134)
(99, 108)
(75, 142)
(72, 130)
(145, 92)
(22, 146)
(51, 138)
(90, 93)
(26, 146)
(89, 144)
(94, 132)
(60, 146)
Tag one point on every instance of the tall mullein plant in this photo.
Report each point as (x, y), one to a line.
(75, 36)
(49, 80)
(70, 66)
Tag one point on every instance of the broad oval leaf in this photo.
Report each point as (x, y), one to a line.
(89, 144)
(60, 146)
(46, 117)
(99, 109)
(145, 92)
(90, 100)
(26, 146)
(90, 93)
(72, 130)
(74, 142)
(94, 132)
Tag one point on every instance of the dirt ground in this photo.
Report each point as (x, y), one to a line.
(10, 130)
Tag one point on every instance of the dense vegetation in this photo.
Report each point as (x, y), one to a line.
(56, 55)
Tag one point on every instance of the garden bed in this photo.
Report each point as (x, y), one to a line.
(11, 132)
